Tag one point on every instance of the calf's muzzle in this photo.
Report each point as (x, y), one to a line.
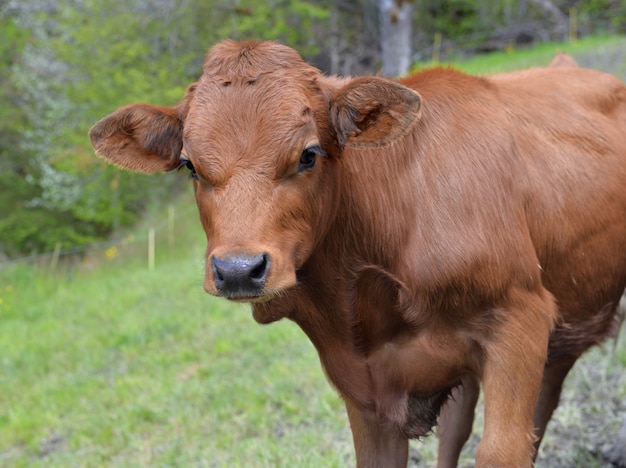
(240, 276)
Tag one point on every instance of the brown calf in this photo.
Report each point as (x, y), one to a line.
(427, 234)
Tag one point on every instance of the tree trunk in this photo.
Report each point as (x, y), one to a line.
(560, 19)
(395, 36)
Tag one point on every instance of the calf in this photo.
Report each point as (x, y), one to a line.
(427, 234)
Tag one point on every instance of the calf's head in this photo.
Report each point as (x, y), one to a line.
(262, 134)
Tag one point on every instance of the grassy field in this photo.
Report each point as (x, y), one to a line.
(112, 364)
(106, 363)
(602, 53)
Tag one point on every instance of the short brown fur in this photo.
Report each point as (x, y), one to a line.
(451, 230)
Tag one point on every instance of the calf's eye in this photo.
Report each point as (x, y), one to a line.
(184, 162)
(309, 157)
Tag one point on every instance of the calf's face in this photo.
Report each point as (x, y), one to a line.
(265, 187)
(262, 134)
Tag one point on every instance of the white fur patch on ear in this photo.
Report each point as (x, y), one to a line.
(373, 112)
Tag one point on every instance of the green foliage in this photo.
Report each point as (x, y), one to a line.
(470, 22)
(64, 80)
(463, 16)
(69, 64)
(286, 21)
(452, 18)
(609, 15)
(14, 161)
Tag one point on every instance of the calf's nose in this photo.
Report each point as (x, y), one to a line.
(240, 276)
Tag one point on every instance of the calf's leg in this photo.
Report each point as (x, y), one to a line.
(457, 416)
(515, 353)
(376, 445)
(455, 422)
(553, 376)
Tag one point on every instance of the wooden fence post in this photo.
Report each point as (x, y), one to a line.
(573, 24)
(151, 249)
(55, 256)
(171, 216)
(437, 47)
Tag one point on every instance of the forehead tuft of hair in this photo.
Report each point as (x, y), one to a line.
(238, 61)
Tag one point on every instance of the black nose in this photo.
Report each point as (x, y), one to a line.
(240, 276)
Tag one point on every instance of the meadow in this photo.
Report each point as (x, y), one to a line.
(106, 362)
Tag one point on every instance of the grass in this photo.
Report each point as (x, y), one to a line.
(105, 363)
(122, 366)
(604, 53)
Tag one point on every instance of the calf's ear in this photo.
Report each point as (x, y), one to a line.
(140, 137)
(373, 112)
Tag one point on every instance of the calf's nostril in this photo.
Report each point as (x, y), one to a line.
(259, 272)
(218, 266)
(218, 274)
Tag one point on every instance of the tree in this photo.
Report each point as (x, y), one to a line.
(559, 18)
(396, 17)
(53, 188)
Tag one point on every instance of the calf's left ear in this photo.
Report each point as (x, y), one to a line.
(373, 112)
(140, 137)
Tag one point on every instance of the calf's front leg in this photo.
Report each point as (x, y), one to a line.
(376, 445)
(514, 358)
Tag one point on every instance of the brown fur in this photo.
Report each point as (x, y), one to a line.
(458, 229)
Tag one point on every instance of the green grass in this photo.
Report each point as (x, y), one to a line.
(605, 53)
(105, 363)
(118, 365)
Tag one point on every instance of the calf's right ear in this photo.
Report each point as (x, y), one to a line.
(140, 137)
(372, 112)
